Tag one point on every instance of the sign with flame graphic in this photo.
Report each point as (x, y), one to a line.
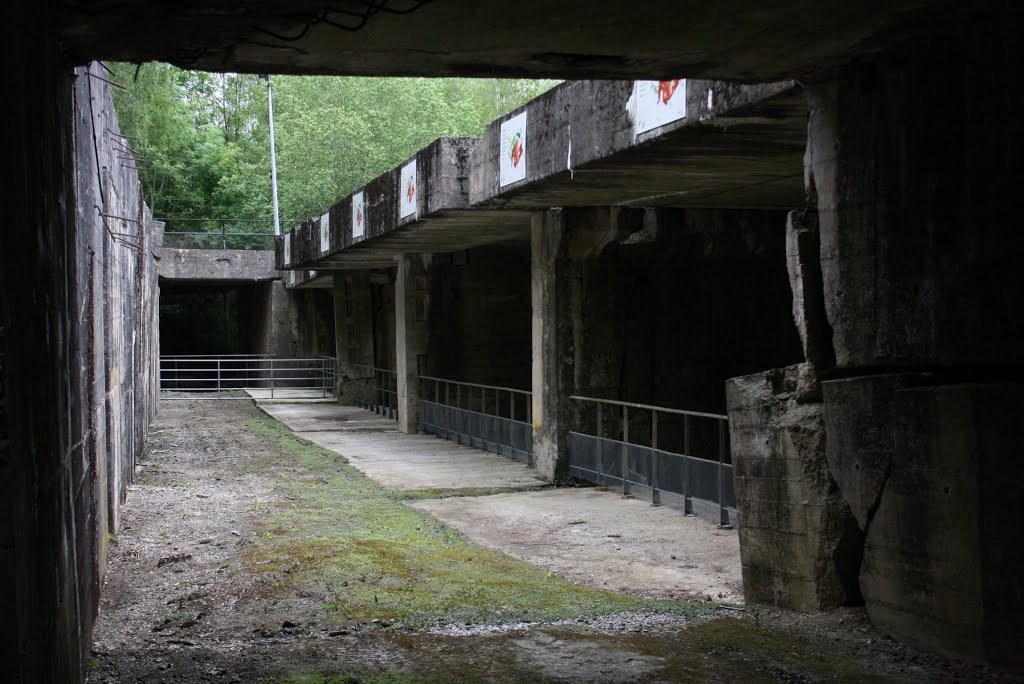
(658, 103)
(407, 190)
(358, 216)
(512, 165)
(325, 231)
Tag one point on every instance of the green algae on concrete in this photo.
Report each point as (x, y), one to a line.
(334, 533)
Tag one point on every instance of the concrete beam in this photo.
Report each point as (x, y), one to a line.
(737, 39)
(736, 146)
(215, 264)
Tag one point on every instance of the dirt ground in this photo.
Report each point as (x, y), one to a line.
(247, 554)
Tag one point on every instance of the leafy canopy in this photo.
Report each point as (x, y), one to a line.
(205, 137)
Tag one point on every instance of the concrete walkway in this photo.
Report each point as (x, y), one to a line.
(603, 539)
(397, 461)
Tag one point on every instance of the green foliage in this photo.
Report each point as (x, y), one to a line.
(205, 137)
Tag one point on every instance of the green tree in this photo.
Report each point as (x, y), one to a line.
(205, 137)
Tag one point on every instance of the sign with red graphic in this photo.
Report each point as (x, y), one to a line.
(325, 231)
(358, 216)
(658, 103)
(407, 190)
(512, 165)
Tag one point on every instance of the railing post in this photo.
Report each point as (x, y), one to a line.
(625, 449)
(723, 512)
(223, 236)
(271, 377)
(218, 374)
(655, 494)
(600, 458)
(687, 501)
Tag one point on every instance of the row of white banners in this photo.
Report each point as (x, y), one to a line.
(654, 104)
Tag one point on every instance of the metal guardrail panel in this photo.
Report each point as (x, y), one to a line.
(217, 375)
(663, 457)
(503, 436)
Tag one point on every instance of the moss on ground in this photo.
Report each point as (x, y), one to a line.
(336, 534)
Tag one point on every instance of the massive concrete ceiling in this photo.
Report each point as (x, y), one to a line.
(751, 40)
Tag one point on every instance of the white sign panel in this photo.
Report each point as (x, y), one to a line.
(287, 248)
(358, 216)
(407, 190)
(325, 231)
(512, 165)
(658, 103)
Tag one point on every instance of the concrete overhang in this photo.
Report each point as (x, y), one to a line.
(736, 147)
(746, 40)
(216, 265)
(309, 280)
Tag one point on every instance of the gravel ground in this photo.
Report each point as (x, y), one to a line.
(205, 583)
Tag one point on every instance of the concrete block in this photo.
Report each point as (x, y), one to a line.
(936, 485)
(799, 543)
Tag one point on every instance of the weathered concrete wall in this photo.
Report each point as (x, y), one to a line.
(907, 159)
(364, 315)
(314, 311)
(78, 352)
(480, 316)
(695, 296)
(216, 264)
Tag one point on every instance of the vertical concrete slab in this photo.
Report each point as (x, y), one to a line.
(552, 330)
(799, 542)
(412, 306)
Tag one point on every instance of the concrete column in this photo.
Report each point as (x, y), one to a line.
(280, 329)
(412, 304)
(353, 330)
(552, 343)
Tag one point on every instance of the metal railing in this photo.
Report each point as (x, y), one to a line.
(218, 239)
(217, 375)
(377, 388)
(488, 417)
(667, 451)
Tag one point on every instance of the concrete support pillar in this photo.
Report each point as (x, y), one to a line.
(412, 305)
(353, 330)
(921, 281)
(552, 343)
(280, 334)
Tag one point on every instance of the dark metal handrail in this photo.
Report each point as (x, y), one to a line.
(724, 463)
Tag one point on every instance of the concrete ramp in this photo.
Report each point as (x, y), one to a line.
(398, 461)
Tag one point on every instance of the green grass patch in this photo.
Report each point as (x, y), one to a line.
(337, 535)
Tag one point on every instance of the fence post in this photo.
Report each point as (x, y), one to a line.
(223, 236)
(687, 501)
(271, 377)
(723, 512)
(655, 494)
(218, 374)
(600, 458)
(625, 449)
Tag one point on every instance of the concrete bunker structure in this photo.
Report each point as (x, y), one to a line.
(879, 461)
